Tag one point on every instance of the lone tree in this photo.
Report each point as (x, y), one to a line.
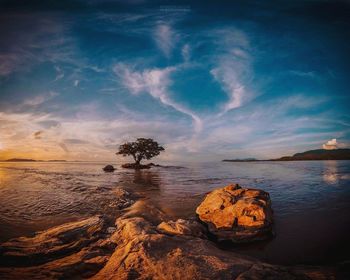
(142, 148)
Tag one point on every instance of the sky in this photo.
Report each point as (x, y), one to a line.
(208, 80)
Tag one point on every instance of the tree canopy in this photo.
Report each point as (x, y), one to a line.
(142, 148)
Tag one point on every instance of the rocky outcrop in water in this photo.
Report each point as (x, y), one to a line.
(237, 214)
(135, 247)
(143, 252)
(72, 250)
(108, 168)
(77, 249)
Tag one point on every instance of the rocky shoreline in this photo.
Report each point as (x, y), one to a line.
(144, 244)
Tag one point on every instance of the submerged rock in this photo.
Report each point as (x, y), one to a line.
(123, 199)
(237, 214)
(108, 168)
(135, 166)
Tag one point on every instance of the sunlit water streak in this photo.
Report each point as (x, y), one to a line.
(311, 200)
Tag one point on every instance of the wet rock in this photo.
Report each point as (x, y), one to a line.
(182, 227)
(146, 210)
(70, 251)
(108, 168)
(237, 214)
(53, 243)
(123, 199)
(77, 249)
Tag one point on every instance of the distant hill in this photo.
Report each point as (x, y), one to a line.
(320, 154)
(20, 159)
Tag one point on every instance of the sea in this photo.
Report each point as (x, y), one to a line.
(310, 200)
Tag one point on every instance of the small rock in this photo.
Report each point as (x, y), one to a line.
(108, 168)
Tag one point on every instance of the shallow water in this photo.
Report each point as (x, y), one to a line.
(311, 200)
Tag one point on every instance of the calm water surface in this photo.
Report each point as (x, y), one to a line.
(311, 200)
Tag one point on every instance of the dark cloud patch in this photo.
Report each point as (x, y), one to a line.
(49, 123)
(75, 141)
(64, 147)
(38, 134)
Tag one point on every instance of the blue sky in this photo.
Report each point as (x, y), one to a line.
(230, 79)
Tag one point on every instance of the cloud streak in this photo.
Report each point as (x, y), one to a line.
(232, 68)
(155, 82)
(165, 38)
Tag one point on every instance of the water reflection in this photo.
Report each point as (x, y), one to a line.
(330, 173)
(2, 176)
(147, 178)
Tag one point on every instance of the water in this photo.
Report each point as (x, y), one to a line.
(311, 200)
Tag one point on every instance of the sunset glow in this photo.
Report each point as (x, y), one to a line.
(76, 84)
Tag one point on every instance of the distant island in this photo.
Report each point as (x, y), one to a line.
(32, 160)
(319, 154)
(20, 159)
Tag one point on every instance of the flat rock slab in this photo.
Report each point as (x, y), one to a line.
(142, 252)
(237, 214)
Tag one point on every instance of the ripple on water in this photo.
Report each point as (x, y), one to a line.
(308, 198)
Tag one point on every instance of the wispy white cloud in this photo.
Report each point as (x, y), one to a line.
(186, 52)
(9, 62)
(165, 38)
(309, 74)
(155, 82)
(59, 75)
(232, 70)
(40, 98)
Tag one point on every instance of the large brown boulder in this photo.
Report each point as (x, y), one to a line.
(237, 214)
